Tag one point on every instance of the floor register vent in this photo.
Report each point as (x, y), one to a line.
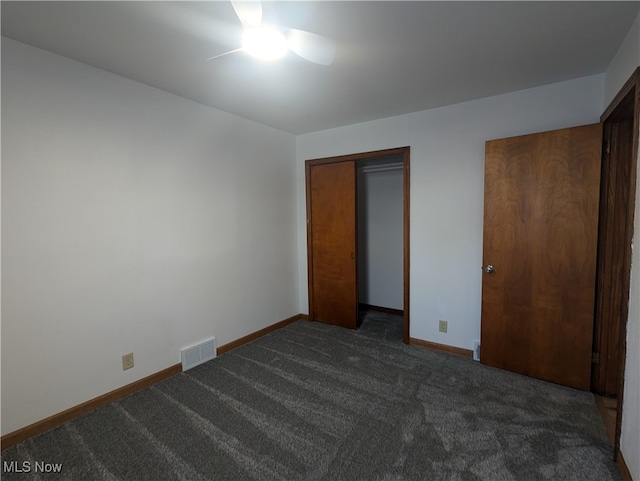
(197, 354)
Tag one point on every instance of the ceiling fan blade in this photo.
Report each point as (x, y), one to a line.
(223, 54)
(312, 47)
(249, 13)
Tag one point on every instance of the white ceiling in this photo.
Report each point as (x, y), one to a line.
(392, 57)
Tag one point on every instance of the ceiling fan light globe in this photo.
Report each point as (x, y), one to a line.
(265, 43)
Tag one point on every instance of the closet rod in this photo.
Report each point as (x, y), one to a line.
(381, 168)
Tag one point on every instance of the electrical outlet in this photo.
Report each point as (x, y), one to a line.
(127, 361)
(443, 325)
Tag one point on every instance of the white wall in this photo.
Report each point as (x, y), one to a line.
(623, 63)
(380, 246)
(447, 172)
(133, 221)
(622, 66)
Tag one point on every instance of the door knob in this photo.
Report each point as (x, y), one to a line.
(489, 269)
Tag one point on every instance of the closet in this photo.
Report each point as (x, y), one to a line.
(348, 218)
(379, 233)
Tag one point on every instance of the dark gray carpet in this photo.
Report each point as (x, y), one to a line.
(317, 402)
(381, 325)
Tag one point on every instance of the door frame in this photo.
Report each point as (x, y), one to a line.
(618, 104)
(361, 157)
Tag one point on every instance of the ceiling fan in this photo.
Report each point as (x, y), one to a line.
(270, 42)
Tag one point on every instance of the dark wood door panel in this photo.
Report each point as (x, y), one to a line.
(332, 218)
(614, 252)
(540, 234)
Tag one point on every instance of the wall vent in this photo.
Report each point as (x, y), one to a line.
(197, 354)
(476, 350)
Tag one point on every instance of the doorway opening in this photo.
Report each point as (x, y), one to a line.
(322, 231)
(380, 257)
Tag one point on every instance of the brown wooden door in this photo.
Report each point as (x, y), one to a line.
(614, 251)
(331, 210)
(540, 236)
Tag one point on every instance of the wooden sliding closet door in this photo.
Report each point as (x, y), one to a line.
(331, 233)
(540, 244)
